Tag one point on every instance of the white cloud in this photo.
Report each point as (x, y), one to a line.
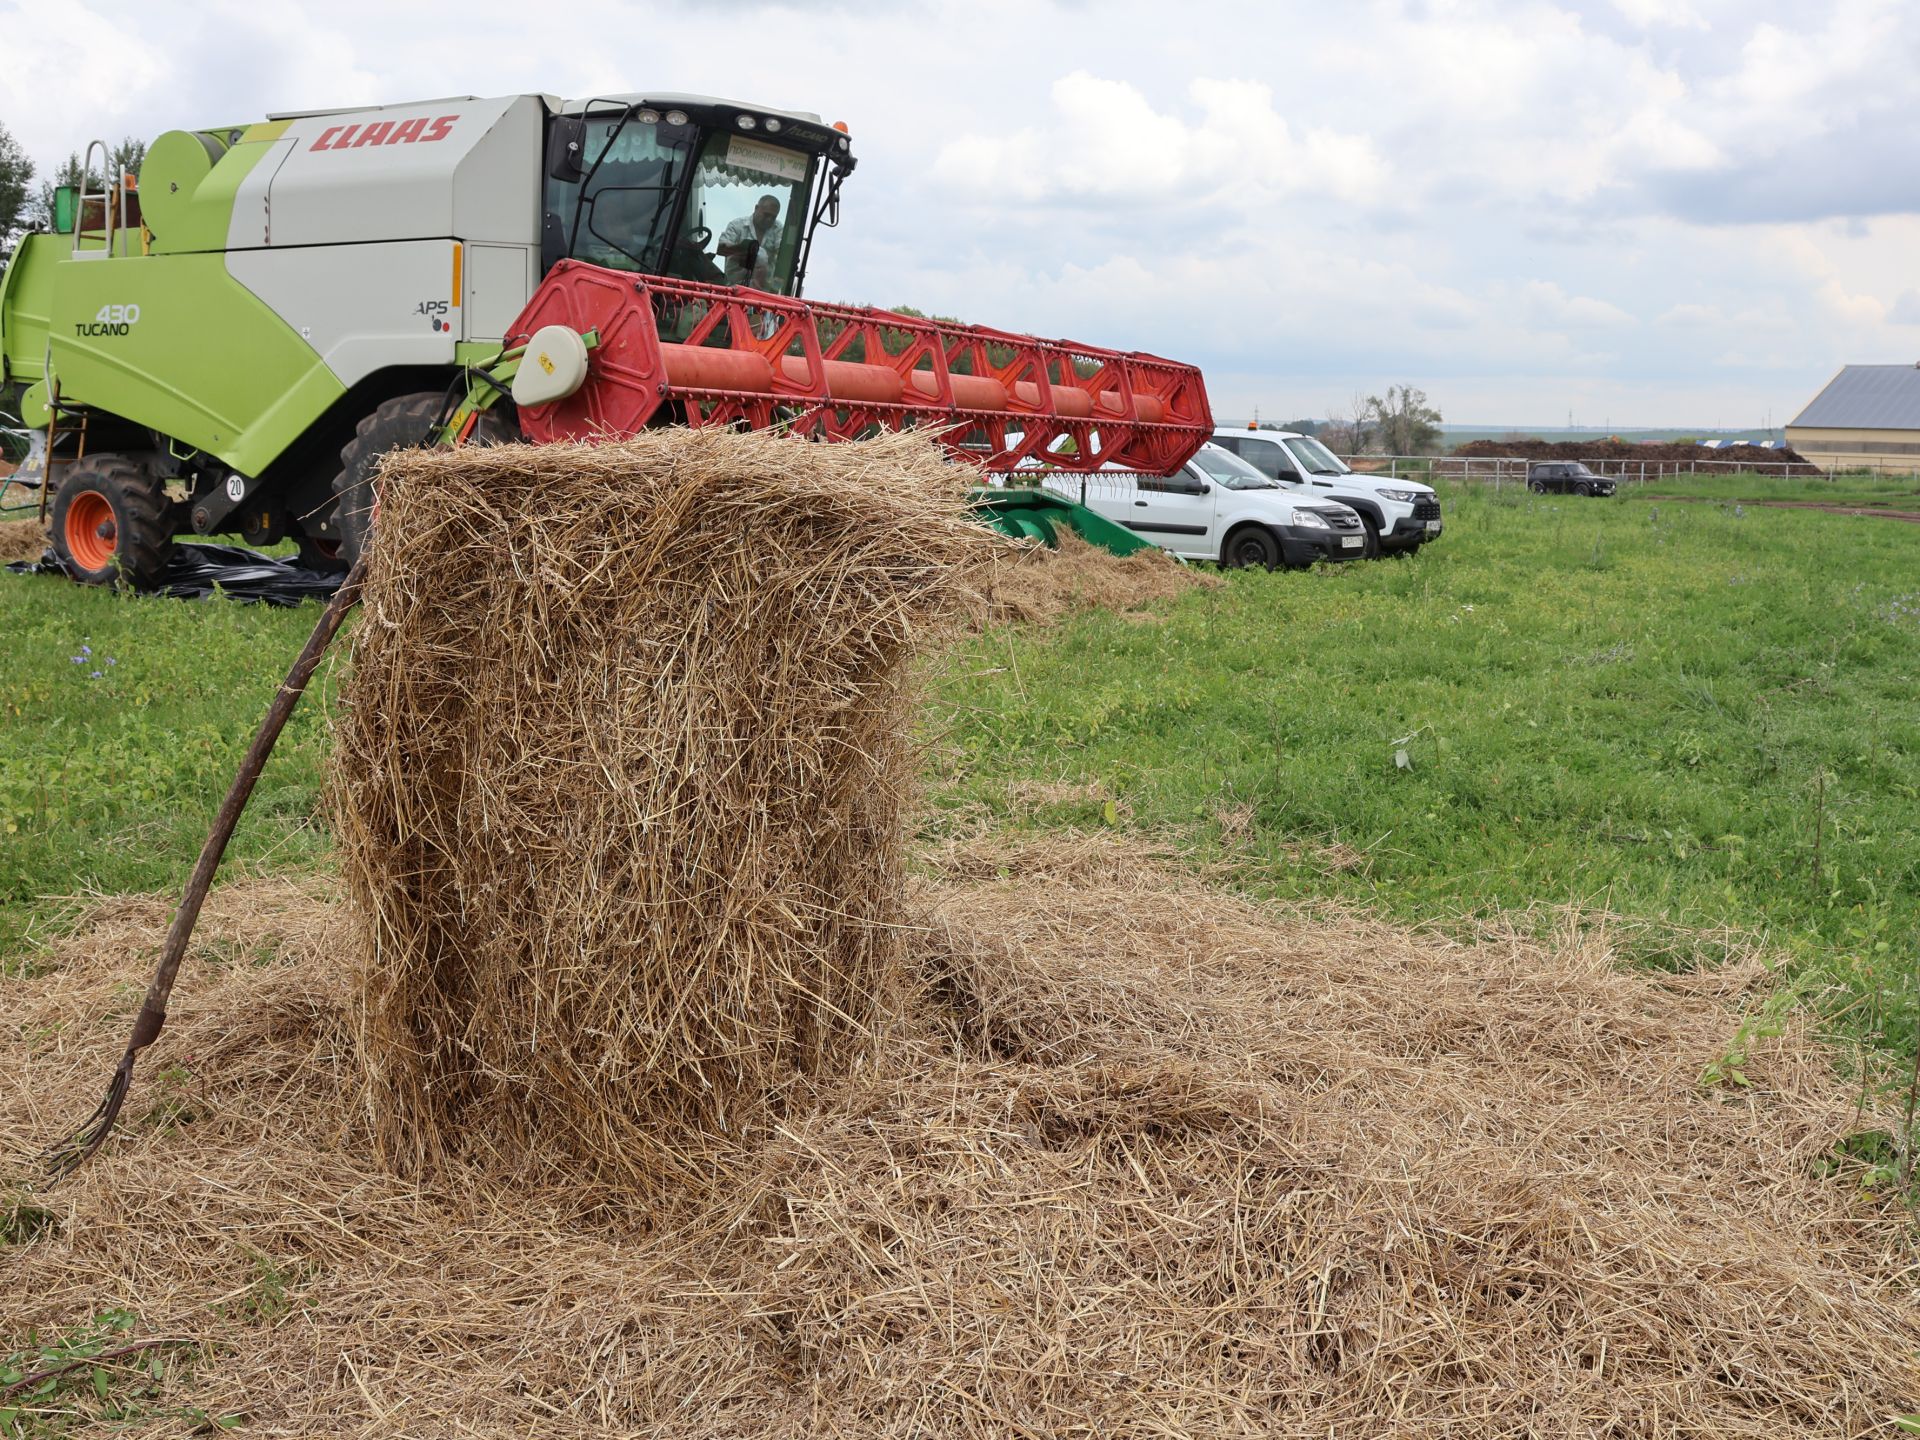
(1103, 140)
(1553, 307)
(1650, 13)
(1691, 317)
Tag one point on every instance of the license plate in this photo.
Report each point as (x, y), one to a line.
(1433, 527)
(1350, 542)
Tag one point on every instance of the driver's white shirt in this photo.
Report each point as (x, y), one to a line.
(759, 273)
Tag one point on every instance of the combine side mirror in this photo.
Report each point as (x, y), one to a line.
(566, 148)
(833, 207)
(65, 201)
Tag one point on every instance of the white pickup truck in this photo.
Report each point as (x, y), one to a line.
(1218, 507)
(1399, 515)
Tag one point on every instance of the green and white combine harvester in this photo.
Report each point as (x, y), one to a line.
(229, 341)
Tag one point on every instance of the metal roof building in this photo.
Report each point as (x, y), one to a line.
(1867, 418)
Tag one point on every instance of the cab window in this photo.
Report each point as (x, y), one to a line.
(1263, 455)
(630, 174)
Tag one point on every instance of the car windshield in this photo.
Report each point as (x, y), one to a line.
(1313, 457)
(747, 213)
(1581, 471)
(1225, 468)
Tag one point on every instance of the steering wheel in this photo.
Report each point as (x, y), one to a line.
(700, 237)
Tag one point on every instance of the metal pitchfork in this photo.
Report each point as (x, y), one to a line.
(65, 1157)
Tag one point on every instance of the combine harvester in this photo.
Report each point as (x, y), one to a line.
(232, 340)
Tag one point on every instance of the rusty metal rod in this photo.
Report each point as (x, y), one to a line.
(63, 1158)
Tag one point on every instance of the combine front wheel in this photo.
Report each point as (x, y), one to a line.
(400, 423)
(108, 525)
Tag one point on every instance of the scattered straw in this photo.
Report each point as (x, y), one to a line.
(21, 540)
(1043, 586)
(1138, 1160)
(619, 784)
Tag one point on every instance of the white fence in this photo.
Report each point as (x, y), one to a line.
(1499, 471)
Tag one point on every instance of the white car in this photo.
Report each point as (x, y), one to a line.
(1398, 514)
(1217, 507)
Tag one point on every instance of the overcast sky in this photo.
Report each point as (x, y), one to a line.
(1643, 212)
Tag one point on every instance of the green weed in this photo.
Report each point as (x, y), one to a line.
(22, 1221)
(101, 1372)
(270, 1296)
(1767, 1023)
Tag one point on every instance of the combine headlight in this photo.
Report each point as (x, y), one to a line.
(773, 125)
(649, 117)
(745, 122)
(676, 117)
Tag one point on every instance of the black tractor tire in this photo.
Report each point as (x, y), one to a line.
(495, 427)
(398, 424)
(321, 556)
(1251, 546)
(109, 522)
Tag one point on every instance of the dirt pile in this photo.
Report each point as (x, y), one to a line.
(618, 786)
(1038, 585)
(1132, 1158)
(1621, 450)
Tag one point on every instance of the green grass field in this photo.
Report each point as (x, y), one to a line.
(1672, 712)
(124, 718)
(1677, 713)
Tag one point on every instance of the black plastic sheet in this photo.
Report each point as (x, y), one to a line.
(200, 570)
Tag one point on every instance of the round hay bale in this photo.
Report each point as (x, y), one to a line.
(619, 785)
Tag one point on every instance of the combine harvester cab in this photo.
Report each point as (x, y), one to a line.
(231, 341)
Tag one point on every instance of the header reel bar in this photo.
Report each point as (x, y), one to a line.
(839, 372)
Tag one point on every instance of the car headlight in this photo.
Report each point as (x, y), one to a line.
(1307, 520)
(1405, 497)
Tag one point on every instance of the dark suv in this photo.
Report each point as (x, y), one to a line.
(1566, 477)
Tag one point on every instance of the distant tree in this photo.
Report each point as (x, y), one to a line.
(1349, 431)
(16, 175)
(1405, 423)
(69, 173)
(126, 158)
(1305, 427)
